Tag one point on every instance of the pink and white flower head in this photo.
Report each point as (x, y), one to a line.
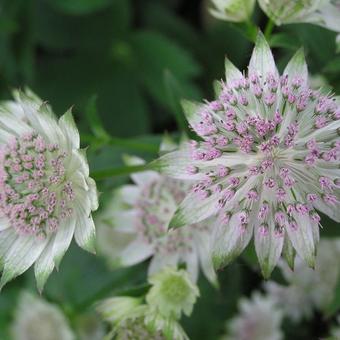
(323, 13)
(259, 319)
(134, 227)
(269, 157)
(46, 193)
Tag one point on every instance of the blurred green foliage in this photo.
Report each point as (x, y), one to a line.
(137, 58)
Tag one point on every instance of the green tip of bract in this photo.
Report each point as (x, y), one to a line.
(177, 220)
(220, 261)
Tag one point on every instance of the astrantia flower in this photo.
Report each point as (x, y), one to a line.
(259, 319)
(308, 289)
(172, 293)
(269, 158)
(134, 226)
(319, 12)
(233, 10)
(132, 320)
(46, 193)
(39, 320)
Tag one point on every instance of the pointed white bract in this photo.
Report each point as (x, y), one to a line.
(134, 227)
(232, 10)
(37, 319)
(323, 13)
(47, 195)
(259, 319)
(308, 289)
(268, 161)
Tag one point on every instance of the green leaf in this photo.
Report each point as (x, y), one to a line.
(94, 120)
(173, 90)
(284, 40)
(79, 7)
(155, 54)
(333, 66)
(334, 306)
(57, 30)
(119, 171)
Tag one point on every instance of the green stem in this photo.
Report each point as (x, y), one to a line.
(119, 171)
(132, 145)
(269, 29)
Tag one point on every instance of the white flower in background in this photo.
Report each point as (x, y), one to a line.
(308, 289)
(259, 319)
(133, 227)
(46, 193)
(172, 293)
(233, 10)
(269, 157)
(324, 13)
(335, 331)
(36, 319)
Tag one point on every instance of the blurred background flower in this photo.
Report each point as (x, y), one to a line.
(308, 289)
(324, 13)
(259, 319)
(233, 10)
(37, 319)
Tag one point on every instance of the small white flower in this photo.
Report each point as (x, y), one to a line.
(131, 320)
(36, 319)
(319, 12)
(308, 289)
(233, 10)
(172, 293)
(267, 160)
(46, 193)
(258, 319)
(134, 225)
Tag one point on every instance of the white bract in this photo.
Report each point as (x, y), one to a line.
(36, 319)
(308, 289)
(134, 226)
(268, 159)
(232, 10)
(319, 12)
(259, 319)
(46, 193)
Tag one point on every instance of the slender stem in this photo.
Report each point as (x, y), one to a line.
(118, 171)
(269, 29)
(133, 145)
